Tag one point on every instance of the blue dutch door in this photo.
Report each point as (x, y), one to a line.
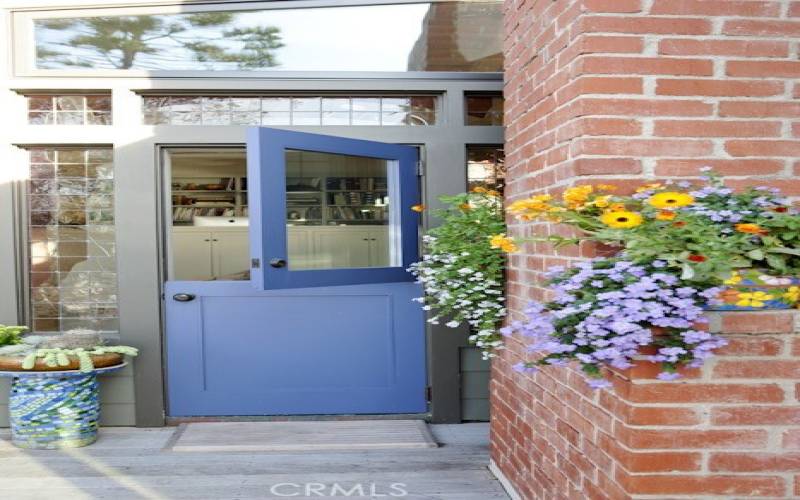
(326, 324)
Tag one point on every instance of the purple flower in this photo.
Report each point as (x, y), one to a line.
(598, 383)
(668, 376)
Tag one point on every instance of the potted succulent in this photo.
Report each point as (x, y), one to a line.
(54, 400)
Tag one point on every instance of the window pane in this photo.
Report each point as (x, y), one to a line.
(71, 241)
(446, 36)
(486, 167)
(484, 109)
(289, 110)
(345, 201)
(69, 109)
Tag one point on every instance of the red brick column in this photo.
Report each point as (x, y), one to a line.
(730, 428)
(623, 91)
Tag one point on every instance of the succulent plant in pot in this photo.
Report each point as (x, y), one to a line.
(54, 401)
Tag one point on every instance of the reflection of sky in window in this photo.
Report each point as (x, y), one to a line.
(365, 38)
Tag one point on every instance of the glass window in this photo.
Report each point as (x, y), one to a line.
(69, 109)
(441, 36)
(485, 109)
(346, 200)
(486, 167)
(306, 110)
(72, 266)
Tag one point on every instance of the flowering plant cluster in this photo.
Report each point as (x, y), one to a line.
(606, 310)
(462, 267)
(704, 232)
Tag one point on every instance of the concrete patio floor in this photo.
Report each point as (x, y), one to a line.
(130, 463)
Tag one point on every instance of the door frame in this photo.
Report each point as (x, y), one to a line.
(138, 196)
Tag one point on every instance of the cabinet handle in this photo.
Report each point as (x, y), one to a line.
(206, 240)
(183, 297)
(215, 239)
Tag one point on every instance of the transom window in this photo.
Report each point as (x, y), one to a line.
(425, 36)
(290, 110)
(70, 109)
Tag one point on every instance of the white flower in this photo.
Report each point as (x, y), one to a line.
(465, 271)
(452, 324)
(426, 308)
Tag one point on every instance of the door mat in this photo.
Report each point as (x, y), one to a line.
(301, 436)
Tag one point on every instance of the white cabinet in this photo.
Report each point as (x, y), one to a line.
(332, 247)
(191, 255)
(203, 253)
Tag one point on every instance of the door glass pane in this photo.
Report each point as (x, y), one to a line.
(337, 211)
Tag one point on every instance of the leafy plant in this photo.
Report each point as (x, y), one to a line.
(11, 335)
(703, 232)
(463, 265)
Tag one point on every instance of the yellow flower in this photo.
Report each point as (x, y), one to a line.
(606, 187)
(754, 299)
(492, 192)
(648, 187)
(479, 189)
(465, 206)
(792, 294)
(503, 242)
(670, 199)
(575, 197)
(529, 208)
(665, 215)
(601, 201)
(734, 279)
(418, 208)
(621, 220)
(616, 207)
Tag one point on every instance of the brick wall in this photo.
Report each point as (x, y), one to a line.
(730, 428)
(621, 91)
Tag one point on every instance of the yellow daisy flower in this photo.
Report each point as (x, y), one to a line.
(418, 208)
(670, 199)
(753, 299)
(576, 197)
(616, 207)
(733, 280)
(792, 294)
(621, 220)
(503, 242)
(601, 201)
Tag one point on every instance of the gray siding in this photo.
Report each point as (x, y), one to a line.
(474, 385)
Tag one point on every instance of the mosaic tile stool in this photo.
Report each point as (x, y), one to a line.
(56, 409)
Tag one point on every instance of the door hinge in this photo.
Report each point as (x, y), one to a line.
(420, 168)
(255, 263)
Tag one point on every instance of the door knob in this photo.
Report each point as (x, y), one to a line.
(183, 297)
(277, 262)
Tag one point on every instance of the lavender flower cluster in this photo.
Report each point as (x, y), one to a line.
(603, 313)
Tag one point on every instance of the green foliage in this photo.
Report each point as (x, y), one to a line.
(11, 335)
(461, 272)
(117, 41)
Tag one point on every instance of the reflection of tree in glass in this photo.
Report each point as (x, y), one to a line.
(116, 42)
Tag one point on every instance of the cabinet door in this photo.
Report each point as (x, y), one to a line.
(231, 251)
(191, 252)
(301, 245)
(337, 248)
(379, 246)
